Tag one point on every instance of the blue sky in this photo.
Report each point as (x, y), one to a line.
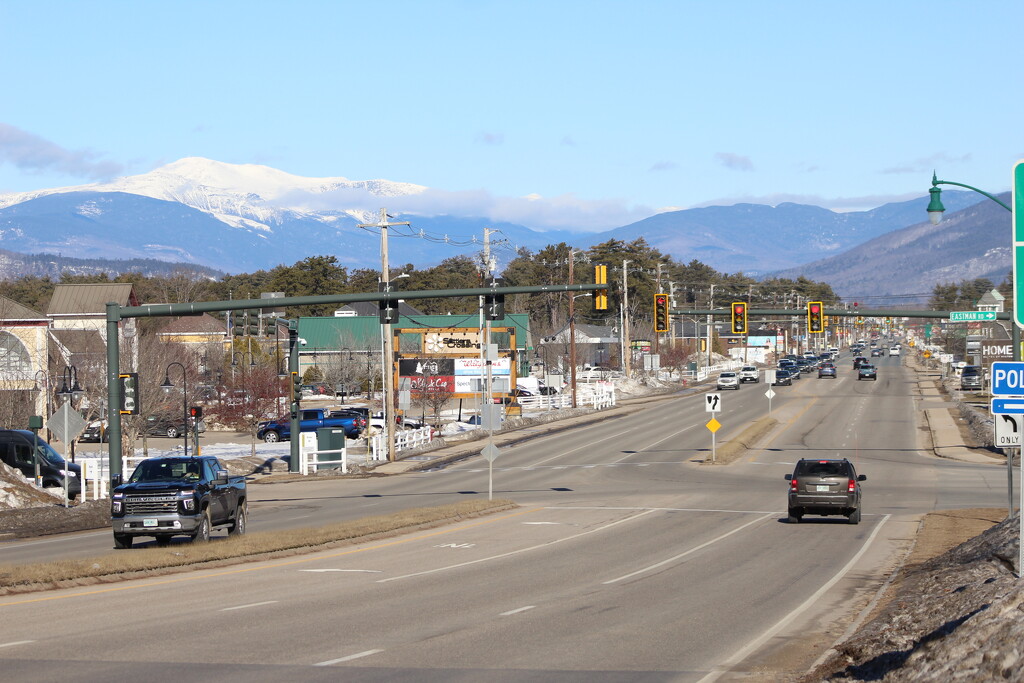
(600, 112)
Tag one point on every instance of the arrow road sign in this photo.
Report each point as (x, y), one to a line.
(712, 403)
(1007, 431)
(1008, 406)
(971, 316)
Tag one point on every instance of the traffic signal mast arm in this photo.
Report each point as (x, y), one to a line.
(837, 312)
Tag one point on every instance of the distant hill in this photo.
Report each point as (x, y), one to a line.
(968, 244)
(14, 265)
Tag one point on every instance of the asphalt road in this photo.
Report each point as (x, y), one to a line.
(628, 560)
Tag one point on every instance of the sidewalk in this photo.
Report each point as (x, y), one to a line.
(947, 441)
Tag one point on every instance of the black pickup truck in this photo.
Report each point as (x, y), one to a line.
(177, 496)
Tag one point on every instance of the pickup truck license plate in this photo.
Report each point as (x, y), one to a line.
(152, 522)
(820, 488)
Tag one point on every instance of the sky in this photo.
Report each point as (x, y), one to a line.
(554, 114)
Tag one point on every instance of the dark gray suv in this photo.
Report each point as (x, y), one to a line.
(824, 487)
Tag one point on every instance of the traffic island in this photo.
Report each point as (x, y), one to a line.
(736, 447)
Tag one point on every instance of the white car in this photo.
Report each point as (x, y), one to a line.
(749, 373)
(894, 351)
(728, 380)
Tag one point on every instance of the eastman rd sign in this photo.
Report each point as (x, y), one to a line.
(971, 316)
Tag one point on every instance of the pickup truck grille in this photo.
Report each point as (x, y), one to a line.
(148, 505)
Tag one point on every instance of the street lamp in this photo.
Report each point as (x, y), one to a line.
(69, 387)
(167, 386)
(935, 207)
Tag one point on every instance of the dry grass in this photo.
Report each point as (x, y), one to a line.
(116, 566)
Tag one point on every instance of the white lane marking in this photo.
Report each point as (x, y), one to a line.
(656, 443)
(354, 571)
(691, 550)
(16, 642)
(517, 552)
(539, 523)
(349, 658)
(252, 604)
(8, 546)
(516, 611)
(753, 646)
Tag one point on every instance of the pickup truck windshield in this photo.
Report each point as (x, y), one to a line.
(166, 469)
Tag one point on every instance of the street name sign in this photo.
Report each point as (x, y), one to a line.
(971, 316)
(1008, 378)
(1008, 406)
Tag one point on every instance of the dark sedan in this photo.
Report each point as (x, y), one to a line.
(783, 377)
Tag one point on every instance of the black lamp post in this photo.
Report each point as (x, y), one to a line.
(167, 386)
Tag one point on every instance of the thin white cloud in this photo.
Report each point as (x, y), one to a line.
(735, 162)
(925, 164)
(31, 153)
(564, 212)
(486, 138)
(840, 204)
(663, 166)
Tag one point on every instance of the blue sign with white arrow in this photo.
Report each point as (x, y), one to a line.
(1008, 406)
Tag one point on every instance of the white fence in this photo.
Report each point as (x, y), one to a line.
(404, 438)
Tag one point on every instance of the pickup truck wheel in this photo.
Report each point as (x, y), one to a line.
(202, 534)
(122, 541)
(238, 527)
(172, 432)
(271, 437)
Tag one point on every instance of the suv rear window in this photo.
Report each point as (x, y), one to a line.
(823, 469)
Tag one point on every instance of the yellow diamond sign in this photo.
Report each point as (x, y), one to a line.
(713, 425)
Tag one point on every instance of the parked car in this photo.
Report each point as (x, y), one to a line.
(866, 372)
(728, 380)
(163, 424)
(824, 487)
(749, 373)
(971, 379)
(827, 370)
(96, 432)
(21, 449)
(310, 420)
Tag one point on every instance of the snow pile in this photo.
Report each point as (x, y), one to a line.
(16, 492)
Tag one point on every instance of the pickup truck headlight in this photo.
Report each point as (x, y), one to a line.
(188, 501)
(117, 503)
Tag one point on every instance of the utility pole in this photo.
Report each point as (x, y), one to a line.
(388, 361)
(711, 307)
(657, 288)
(485, 362)
(572, 328)
(626, 350)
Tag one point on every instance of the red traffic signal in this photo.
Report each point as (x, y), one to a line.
(661, 313)
(815, 317)
(739, 317)
(195, 411)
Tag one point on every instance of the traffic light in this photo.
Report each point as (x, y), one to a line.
(195, 412)
(661, 312)
(815, 317)
(388, 309)
(296, 386)
(739, 317)
(494, 304)
(130, 399)
(600, 295)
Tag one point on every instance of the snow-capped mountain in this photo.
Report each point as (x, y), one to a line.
(242, 218)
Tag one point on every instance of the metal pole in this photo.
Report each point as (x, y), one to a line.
(572, 329)
(627, 350)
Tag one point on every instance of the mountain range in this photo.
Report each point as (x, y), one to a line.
(240, 218)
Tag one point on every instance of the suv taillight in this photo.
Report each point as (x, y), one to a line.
(793, 485)
(851, 486)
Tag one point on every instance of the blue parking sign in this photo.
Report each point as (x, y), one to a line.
(1008, 378)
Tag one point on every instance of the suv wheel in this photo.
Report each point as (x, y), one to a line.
(794, 517)
(854, 516)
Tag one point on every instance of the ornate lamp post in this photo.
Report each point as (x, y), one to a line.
(167, 386)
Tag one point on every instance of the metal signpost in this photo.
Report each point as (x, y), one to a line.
(713, 404)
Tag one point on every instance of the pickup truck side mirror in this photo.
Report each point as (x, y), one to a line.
(116, 480)
(222, 477)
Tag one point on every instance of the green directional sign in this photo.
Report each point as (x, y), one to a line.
(1018, 243)
(971, 316)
